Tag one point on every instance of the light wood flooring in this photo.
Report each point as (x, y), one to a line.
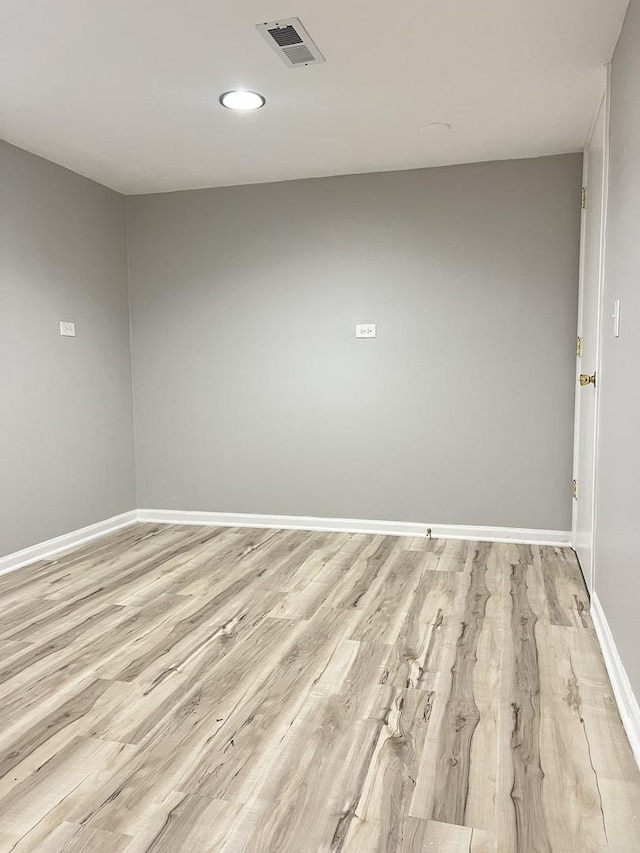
(168, 689)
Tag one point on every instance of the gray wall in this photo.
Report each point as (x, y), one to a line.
(252, 394)
(66, 437)
(617, 556)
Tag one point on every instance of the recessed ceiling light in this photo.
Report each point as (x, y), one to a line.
(243, 101)
(436, 127)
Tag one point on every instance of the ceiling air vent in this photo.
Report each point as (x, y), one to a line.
(291, 42)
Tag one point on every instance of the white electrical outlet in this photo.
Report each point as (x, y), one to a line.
(67, 329)
(366, 330)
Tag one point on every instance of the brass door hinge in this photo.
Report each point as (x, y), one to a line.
(584, 198)
(579, 347)
(574, 489)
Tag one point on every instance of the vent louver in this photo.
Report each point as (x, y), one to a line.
(292, 42)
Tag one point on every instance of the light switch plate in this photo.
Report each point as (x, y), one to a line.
(366, 330)
(616, 318)
(67, 329)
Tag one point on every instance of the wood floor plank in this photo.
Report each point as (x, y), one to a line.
(573, 803)
(226, 690)
(37, 795)
(204, 746)
(532, 831)
(483, 842)
(327, 565)
(489, 808)
(195, 823)
(37, 653)
(360, 584)
(121, 575)
(62, 716)
(124, 628)
(86, 840)
(426, 836)
(382, 619)
(46, 840)
(462, 716)
(564, 585)
(445, 555)
(418, 649)
(257, 724)
(310, 796)
(621, 802)
(213, 683)
(382, 811)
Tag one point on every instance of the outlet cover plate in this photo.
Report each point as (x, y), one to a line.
(366, 330)
(67, 329)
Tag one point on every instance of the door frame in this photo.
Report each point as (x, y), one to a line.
(605, 104)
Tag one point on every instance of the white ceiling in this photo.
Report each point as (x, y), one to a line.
(126, 91)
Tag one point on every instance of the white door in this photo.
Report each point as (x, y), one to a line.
(591, 287)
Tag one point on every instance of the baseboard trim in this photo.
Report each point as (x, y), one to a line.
(51, 547)
(356, 525)
(622, 690)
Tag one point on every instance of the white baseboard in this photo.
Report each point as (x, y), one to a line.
(47, 549)
(357, 525)
(622, 691)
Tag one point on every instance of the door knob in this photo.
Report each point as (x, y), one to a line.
(586, 379)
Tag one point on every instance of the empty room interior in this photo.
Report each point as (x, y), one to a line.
(320, 432)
